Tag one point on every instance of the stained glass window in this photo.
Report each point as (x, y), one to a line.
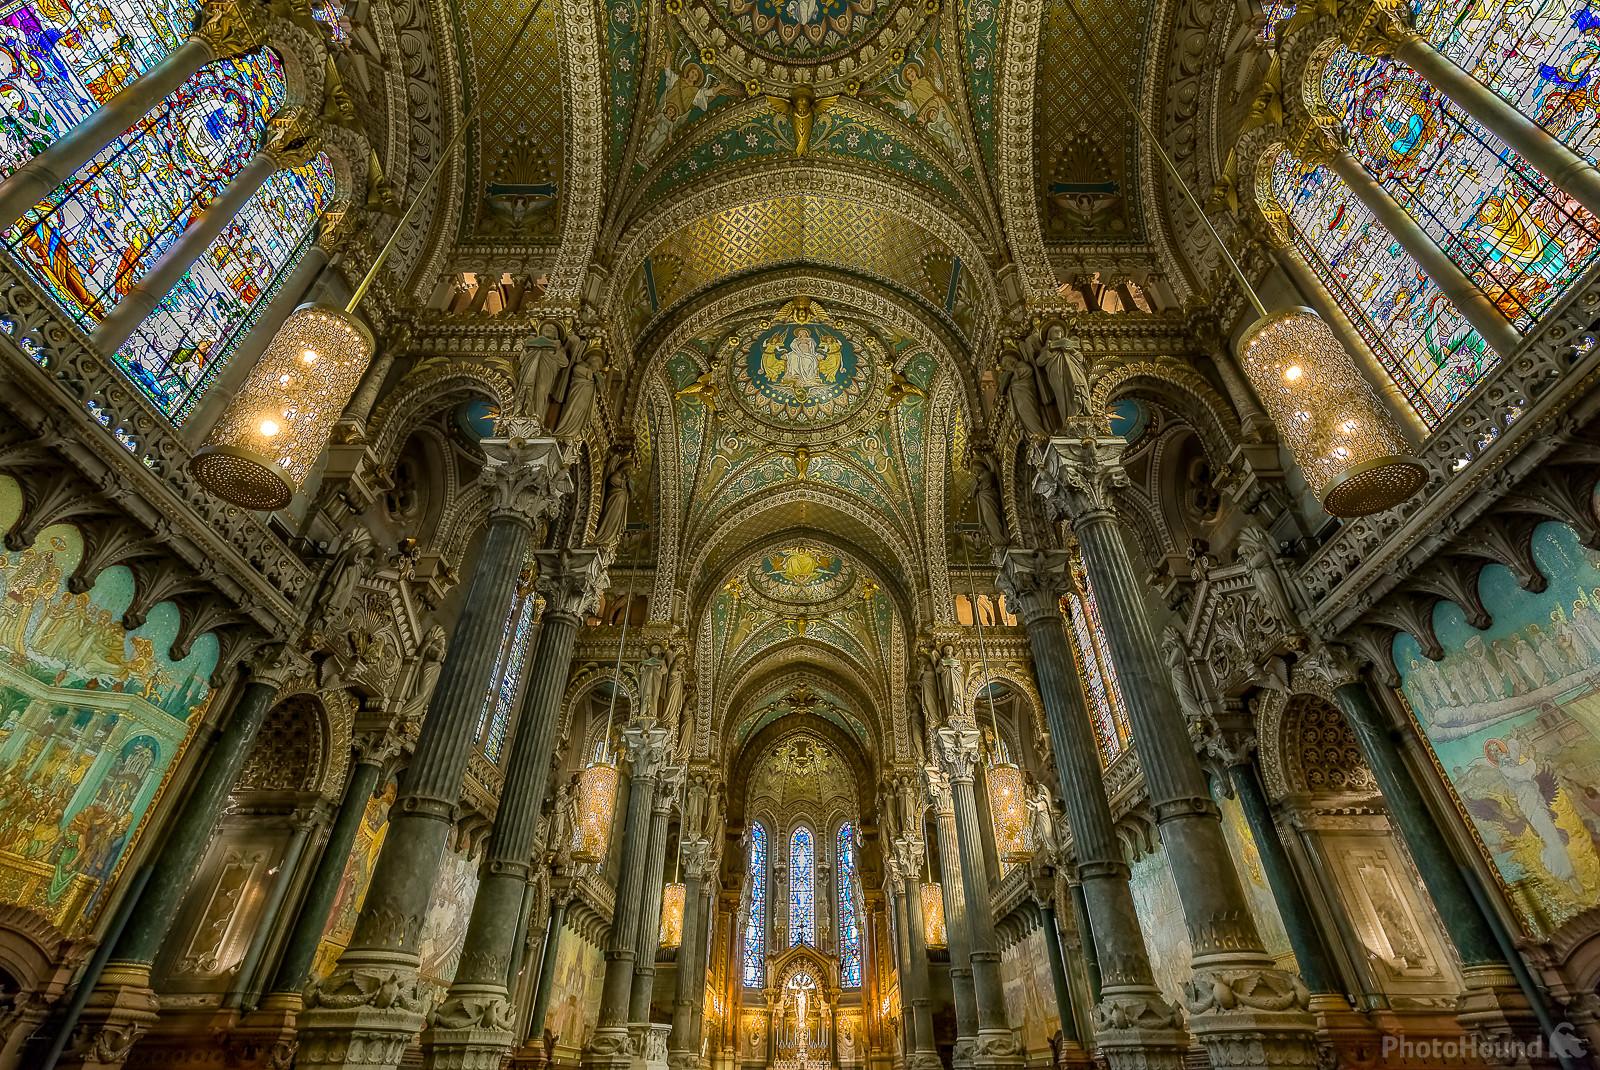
(849, 920)
(178, 350)
(755, 929)
(802, 888)
(331, 14)
(1093, 655)
(1274, 12)
(1537, 54)
(60, 61)
(99, 232)
(495, 717)
(1504, 224)
(1432, 353)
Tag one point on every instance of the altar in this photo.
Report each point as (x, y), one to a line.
(803, 1004)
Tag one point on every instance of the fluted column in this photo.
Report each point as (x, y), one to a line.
(292, 139)
(559, 902)
(955, 919)
(695, 857)
(645, 746)
(1060, 982)
(352, 426)
(223, 28)
(1245, 1010)
(473, 1026)
(122, 1004)
(372, 1006)
(960, 745)
(1135, 1027)
(703, 949)
(902, 951)
(647, 944)
(1473, 304)
(921, 1054)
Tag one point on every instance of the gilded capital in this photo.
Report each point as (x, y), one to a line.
(1079, 473)
(525, 478)
(231, 27)
(294, 137)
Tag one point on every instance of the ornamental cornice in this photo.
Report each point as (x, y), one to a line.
(583, 114)
(1019, 203)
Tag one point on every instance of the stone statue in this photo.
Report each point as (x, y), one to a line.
(1021, 390)
(651, 671)
(1256, 554)
(1064, 367)
(353, 559)
(619, 492)
(672, 700)
(1176, 655)
(1041, 819)
(928, 689)
(432, 655)
(991, 509)
(950, 680)
(542, 359)
(583, 388)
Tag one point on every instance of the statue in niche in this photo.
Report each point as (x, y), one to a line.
(1019, 386)
(1066, 371)
(583, 388)
(543, 358)
(432, 661)
(353, 560)
(619, 494)
(991, 508)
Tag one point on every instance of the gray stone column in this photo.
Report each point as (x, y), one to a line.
(695, 859)
(352, 425)
(703, 949)
(1245, 1010)
(646, 747)
(472, 1029)
(1091, 958)
(1060, 982)
(122, 1005)
(246, 979)
(559, 903)
(924, 1054)
(372, 1006)
(1135, 1027)
(897, 903)
(648, 942)
(955, 919)
(960, 745)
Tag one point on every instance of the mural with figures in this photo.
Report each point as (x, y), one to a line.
(1166, 938)
(1513, 716)
(1030, 991)
(575, 999)
(353, 885)
(445, 928)
(93, 717)
(1247, 859)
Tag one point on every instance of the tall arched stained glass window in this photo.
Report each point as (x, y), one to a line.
(495, 717)
(1093, 655)
(1507, 226)
(755, 928)
(176, 353)
(802, 888)
(99, 232)
(1537, 54)
(1431, 352)
(849, 920)
(60, 61)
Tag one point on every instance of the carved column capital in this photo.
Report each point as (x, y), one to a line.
(960, 746)
(231, 27)
(645, 746)
(294, 137)
(1330, 665)
(1230, 735)
(1079, 472)
(938, 788)
(570, 580)
(276, 666)
(526, 477)
(1034, 581)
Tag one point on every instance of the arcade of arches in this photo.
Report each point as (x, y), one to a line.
(799, 534)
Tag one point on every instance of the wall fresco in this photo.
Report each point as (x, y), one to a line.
(353, 885)
(1030, 991)
(1166, 938)
(575, 997)
(444, 930)
(1247, 860)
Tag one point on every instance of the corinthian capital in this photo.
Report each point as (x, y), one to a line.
(1034, 581)
(570, 580)
(293, 137)
(1078, 472)
(231, 27)
(646, 747)
(525, 477)
(960, 748)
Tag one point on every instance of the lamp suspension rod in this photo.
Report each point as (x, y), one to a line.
(622, 638)
(983, 643)
(1172, 168)
(445, 156)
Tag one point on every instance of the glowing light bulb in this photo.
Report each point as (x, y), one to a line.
(269, 428)
(1293, 373)
(309, 356)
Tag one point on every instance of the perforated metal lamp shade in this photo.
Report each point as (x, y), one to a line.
(1008, 805)
(596, 803)
(261, 450)
(933, 927)
(1346, 444)
(672, 915)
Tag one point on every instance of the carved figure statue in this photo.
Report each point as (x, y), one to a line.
(950, 679)
(1063, 364)
(432, 655)
(1176, 656)
(651, 671)
(1020, 388)
(583, 388)
(542, 359)
(991, 509)
(1041, 818)
(352, 562)
(1257, 554)
(673, 695)
(619, 492)
(928, 689)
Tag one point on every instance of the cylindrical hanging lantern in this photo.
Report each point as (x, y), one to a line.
(277, 425)
(1352, 454)
(1008, 805)
(597, 801)
(672, 915)
(933, 928)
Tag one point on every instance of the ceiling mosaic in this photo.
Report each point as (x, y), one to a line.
(801, 772)
(810, 696)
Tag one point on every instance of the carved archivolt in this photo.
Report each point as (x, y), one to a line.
(584, 117)
(1181, 388)
(430, 387)
(1019, 204)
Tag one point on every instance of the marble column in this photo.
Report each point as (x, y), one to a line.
(960, 745)
(683, 1046)
(923, 1054)
(647, 944)
(560, 900)
(292, 138)
(1245, 1010)
(246, 979)
(1091, 958)
(1135, 1027)
(707, 941)
(122, 1006)
(902, 950)
(955, 919)
(646, 748)
(472, 1029)
(223, 28)
(352, 425)
(1060, 982)
(1473, 304)
(373, 1005)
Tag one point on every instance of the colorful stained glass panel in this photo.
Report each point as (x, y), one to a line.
(60, 61)
(494, 718)
(1504, 224)
(178, 350)
(802, 888)
(849, 920)
(1431, 352)
(755, 929)
(1092, 652)
(93, 238)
